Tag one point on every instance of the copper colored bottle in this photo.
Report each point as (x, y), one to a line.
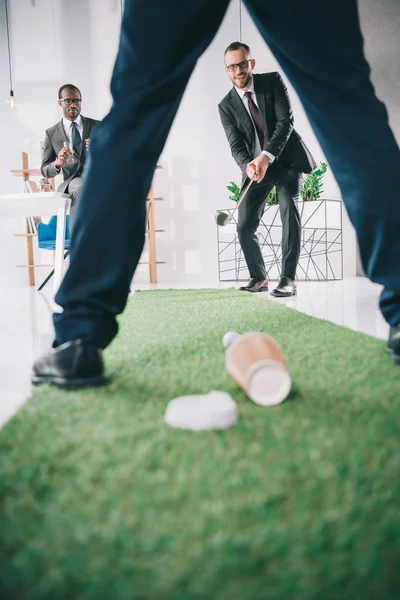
(256, 363)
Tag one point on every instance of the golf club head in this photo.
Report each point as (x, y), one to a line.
(222, 218)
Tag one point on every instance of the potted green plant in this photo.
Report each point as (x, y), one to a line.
(311, 188)
(234, 190)
(321, 222)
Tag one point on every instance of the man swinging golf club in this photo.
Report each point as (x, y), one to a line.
(258, 122)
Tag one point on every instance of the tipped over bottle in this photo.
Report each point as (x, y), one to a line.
(256, 363)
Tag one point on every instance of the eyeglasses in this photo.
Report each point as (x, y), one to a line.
(71, 100)
(242, 66)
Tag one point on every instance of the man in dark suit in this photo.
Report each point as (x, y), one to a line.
(158, 52)
(258, 122)
(66, 144)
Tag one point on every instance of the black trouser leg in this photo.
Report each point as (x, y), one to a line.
(288, 187)
(158, 51)
(250, 212)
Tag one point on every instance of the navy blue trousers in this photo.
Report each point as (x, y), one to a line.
(320, 48)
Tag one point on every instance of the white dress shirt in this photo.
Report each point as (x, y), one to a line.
(241, 93)
(67, 124)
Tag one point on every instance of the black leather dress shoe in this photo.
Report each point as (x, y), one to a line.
(393, 345)
(286, 287)
(255, 285)
(72, 365)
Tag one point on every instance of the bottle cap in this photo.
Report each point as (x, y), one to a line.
(215, 410)
(229, 337)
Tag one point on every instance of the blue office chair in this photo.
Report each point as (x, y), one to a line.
(47, 240)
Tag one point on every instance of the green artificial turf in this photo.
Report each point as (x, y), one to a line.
(100, 500)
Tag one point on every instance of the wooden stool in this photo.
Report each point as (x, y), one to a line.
(151, 234)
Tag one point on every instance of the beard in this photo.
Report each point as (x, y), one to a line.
(245, 82)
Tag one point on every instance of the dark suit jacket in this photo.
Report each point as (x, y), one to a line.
(54, 141)
(274, 105)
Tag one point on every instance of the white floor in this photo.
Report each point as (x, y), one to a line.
(26, 326)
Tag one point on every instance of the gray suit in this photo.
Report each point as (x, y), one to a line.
(72, 173)
(54, 142)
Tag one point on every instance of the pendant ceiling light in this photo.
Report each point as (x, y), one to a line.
(12, 103)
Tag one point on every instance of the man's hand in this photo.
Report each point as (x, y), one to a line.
(62, 157)
(258, 167)
(87, 143)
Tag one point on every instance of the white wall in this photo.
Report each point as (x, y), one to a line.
(52, 43)
(50, 46)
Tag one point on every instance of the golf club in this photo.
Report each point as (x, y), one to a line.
(223, 218)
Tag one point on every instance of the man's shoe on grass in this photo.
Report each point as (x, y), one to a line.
(72, 365)
(393, 344)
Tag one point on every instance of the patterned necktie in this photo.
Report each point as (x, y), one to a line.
(260, 126)
(76, 138)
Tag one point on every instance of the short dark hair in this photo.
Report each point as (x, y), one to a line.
(68, 86)
(237, 46)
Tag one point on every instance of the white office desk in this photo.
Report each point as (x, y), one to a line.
(42, 203)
